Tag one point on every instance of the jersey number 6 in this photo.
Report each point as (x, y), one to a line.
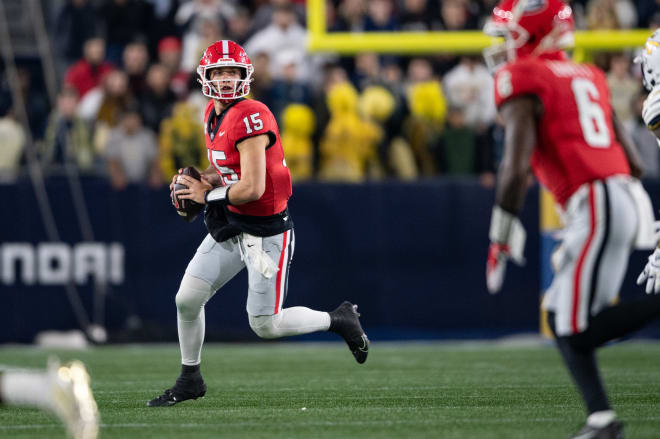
(592, 118)
(257, 124)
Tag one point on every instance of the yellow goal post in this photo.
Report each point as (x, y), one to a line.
(419, 43)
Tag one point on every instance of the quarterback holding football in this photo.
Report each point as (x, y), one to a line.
(245, 192)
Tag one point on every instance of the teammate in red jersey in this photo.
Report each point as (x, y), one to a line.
(559, 122)
(246, 190)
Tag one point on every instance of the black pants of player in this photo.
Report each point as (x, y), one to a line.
(578, 350)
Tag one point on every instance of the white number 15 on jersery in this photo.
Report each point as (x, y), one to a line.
(228, 174)
(257, 124)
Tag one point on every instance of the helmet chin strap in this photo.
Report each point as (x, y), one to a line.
(227, 101)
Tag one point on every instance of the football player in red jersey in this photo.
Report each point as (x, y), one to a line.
(559, 124)
(246, 190)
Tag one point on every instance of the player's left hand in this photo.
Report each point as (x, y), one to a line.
(196, 189)
(651, 273)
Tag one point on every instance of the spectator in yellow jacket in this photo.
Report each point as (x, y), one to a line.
(181, 140)
(349, 145)
(428, 110)
(297, 127)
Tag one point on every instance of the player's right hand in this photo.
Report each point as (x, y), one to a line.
(174, 178)
(507, 241)
(498, 255)
(651, 273)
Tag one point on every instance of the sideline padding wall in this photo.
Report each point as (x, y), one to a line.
(412, 255)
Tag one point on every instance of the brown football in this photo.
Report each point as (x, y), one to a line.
(188, 209)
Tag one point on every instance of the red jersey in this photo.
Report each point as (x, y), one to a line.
(575, 134)
(248, 118)
(84, 77)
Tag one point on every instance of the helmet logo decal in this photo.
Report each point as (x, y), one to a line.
(527, 7)
(534, 5)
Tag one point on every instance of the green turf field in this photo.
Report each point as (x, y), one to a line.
(403, 391)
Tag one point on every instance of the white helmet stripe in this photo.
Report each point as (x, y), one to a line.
(225, 48)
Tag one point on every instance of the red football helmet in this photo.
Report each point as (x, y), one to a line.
(529, 27)
(225, 53)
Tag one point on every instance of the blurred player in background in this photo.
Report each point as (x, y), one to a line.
(63, 390)
(246, 190)
(650, 63)
(558, 120)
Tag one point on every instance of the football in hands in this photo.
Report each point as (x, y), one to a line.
(188, 209)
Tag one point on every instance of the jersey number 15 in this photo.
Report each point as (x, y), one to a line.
(253, 124)
(227, 173)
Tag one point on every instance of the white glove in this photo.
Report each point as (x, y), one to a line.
(651, 273)
(498, 255)
(651, 109)
(507, 237)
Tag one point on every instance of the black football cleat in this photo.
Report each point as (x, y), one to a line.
(345, 322)
(613, 430)
(183, 390)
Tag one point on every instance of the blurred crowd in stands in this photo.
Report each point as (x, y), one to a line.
(129, 104)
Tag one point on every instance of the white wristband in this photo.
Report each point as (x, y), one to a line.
(219, 195)
(507, 229)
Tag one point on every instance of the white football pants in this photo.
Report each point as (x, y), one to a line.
(267, 261)
(601, 223)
